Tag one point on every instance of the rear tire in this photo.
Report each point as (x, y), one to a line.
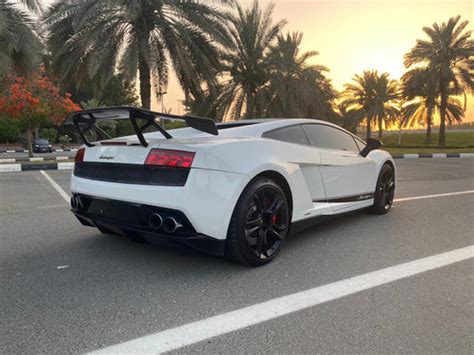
(385, 191)
(259, 224)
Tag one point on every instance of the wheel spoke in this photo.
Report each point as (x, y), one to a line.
(252, 224)
(265, 246)
(249, 231)
(259, 246)
(263, 198)
(275, 206)
(276, 232)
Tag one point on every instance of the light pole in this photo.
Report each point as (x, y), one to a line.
(161, 94)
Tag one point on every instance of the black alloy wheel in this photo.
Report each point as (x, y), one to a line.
(385, 191)
(259, 224)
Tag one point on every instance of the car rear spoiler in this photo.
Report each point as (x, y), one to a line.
(140, 118)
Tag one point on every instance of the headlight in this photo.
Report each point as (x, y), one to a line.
(50, 145)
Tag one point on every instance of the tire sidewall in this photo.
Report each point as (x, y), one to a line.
(379, 207)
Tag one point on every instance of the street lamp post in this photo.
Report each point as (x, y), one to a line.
(161, 95)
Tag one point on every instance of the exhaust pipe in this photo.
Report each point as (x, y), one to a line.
(73, 202)
(76, 202)
(170, 225)
(155, 221)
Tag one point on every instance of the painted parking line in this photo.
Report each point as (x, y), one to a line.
(195, 332)
(412, 198)
(54, 184)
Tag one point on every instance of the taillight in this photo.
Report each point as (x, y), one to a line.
(80, 155)
(165, 157)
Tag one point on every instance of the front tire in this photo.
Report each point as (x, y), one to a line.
(384, 191)
(259, 224)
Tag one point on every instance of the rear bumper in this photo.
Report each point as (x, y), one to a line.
(207, 199)
(132, 219)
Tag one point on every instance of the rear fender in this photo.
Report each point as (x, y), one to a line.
(291, 172)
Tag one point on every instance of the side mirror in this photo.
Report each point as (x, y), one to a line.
(372, 144)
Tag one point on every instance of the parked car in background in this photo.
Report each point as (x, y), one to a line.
(42, 145)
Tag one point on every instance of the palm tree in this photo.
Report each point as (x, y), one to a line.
(21, 47)
(245, 64)
(296, 88)
(416, 111)
(421, 83)
(349, 118)
(449, 54)
(361, 95)
(387, 96)
(139, 37)
(375, 94)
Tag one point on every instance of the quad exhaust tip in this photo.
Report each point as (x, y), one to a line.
(170, 225)
(155, 221)
(75, 202)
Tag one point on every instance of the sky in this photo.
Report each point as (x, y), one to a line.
(352, 35)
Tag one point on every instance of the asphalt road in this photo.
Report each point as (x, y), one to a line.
(66, 288)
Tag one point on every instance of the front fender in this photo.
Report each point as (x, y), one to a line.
(380, 157)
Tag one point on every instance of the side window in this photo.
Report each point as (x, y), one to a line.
(360, 143)
(292, 134)
(329, 137)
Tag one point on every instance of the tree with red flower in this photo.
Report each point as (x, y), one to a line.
(34, 102)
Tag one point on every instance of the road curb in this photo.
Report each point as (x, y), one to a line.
(26, 151)
(16, 160)
(433, 156)
(4, 168)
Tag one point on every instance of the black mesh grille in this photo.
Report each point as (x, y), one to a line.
(132, 173)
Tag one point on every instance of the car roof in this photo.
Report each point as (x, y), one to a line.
(256, 127)
(248, 127)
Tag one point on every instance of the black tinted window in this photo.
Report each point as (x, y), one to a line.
(360, 143)
(293, 134)
(329, 137)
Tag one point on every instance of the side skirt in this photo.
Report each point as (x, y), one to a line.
(303, 224)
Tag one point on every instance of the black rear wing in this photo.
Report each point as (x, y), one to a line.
(140, 118)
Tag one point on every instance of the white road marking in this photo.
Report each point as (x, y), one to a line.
(195, 332)
(58, 188)
(404, 199)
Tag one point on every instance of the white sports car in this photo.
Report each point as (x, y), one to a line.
(235, 189)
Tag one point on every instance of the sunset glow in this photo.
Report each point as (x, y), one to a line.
(352, 36)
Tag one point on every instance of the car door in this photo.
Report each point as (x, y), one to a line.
(307, 159)
(348, 178)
